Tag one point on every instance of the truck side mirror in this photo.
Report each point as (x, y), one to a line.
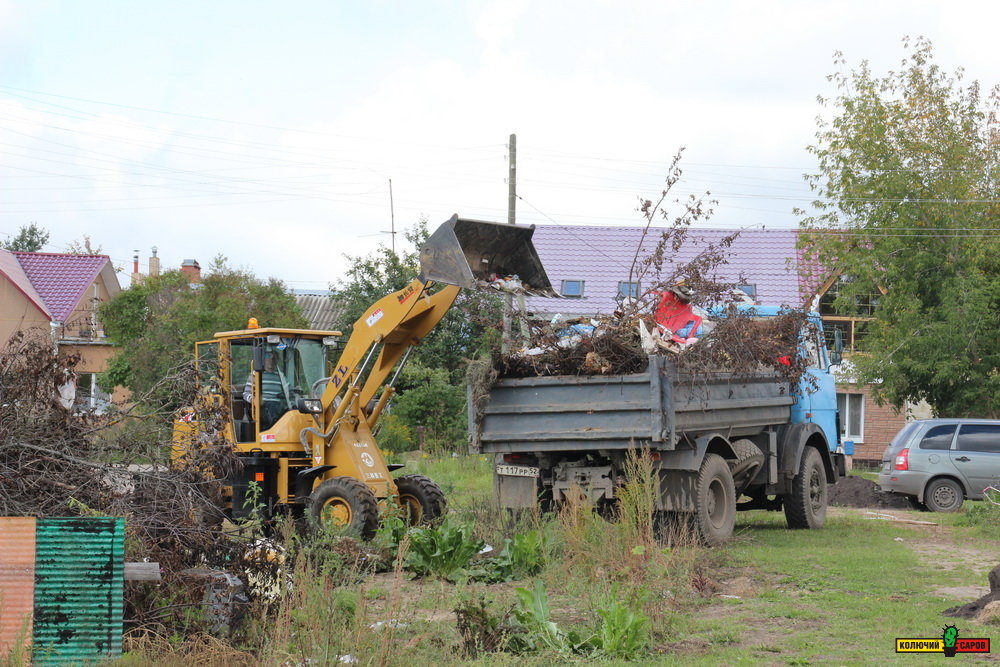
(837, 355)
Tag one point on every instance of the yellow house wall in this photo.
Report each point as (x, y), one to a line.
(17, 312)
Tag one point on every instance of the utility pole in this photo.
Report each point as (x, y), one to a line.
(512, 178)
(392, 219)
(508, 301)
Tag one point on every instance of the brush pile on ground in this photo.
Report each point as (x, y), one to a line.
(57, 462)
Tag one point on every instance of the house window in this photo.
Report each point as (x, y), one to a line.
(89, 397)
(749, 290)
(852, 416)
(572, 288)
(852, 320)
(630, 290)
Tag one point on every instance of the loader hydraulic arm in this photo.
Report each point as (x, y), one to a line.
(397, 322)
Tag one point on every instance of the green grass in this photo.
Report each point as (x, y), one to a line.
(839, 595)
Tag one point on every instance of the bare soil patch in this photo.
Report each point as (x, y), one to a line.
(852, 491)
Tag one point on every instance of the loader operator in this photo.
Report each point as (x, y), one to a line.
(273, 395)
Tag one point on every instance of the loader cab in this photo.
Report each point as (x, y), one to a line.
(261, 373)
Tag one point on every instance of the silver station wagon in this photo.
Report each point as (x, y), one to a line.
(938, 463)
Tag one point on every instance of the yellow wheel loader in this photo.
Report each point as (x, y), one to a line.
(303, 419)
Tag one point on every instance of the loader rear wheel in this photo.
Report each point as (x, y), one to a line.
(715, 501)
(805, 506)
(344, 502)
(421, 500)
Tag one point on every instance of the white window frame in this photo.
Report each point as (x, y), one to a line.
(95, 402)
(573, 296)
(627, 286)
(845, 420)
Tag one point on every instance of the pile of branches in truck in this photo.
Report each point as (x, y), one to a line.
(736, 340)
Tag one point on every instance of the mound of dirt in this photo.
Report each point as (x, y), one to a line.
(854, 491)
(972, 609)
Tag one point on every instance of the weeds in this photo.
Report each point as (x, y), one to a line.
(444, 551)
(528, 628)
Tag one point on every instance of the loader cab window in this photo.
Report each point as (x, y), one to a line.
(293, 367)
(241, 358)
(301, 362)
(209, 374)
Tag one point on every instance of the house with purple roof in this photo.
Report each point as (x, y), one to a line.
(58, 294)
(590, 266)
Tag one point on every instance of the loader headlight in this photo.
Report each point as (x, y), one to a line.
(309, 406)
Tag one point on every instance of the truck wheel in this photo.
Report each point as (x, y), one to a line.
(805, 506)
(944, 495)
(749, 459)
(715, 501)
(344, 502)
(420, 498)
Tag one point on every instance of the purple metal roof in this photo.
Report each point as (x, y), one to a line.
(61, 279)
(602, 256)
(12, 269)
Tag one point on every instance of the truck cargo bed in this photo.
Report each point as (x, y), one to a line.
(656, 407)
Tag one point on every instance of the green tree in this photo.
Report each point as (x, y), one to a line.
(157, 321)
(907, 208)
(30, 238)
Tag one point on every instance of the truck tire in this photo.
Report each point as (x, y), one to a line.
(715, 501)
(344, 502)
(944, 495)
(805, 506)
(748, 461)
(421, 500)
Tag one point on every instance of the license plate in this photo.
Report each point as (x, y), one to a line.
(518, 471)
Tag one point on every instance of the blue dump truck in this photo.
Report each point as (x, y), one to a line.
(719, 441)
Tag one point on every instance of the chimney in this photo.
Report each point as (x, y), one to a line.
(191, 270)
(154, 264)
(136, 276)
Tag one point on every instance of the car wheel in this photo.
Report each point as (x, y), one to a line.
(944, 495)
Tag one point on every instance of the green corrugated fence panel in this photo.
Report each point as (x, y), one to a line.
(79, 580)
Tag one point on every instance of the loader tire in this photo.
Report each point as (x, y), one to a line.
(715, 501)
(805, 506)
(748, 461)
(421, 500)
(345, 503)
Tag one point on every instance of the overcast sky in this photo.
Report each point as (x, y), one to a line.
(268, 132)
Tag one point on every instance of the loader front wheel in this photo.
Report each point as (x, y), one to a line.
(345, 503)
(421, 500)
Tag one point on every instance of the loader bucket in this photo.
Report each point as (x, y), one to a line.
(469, 253)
